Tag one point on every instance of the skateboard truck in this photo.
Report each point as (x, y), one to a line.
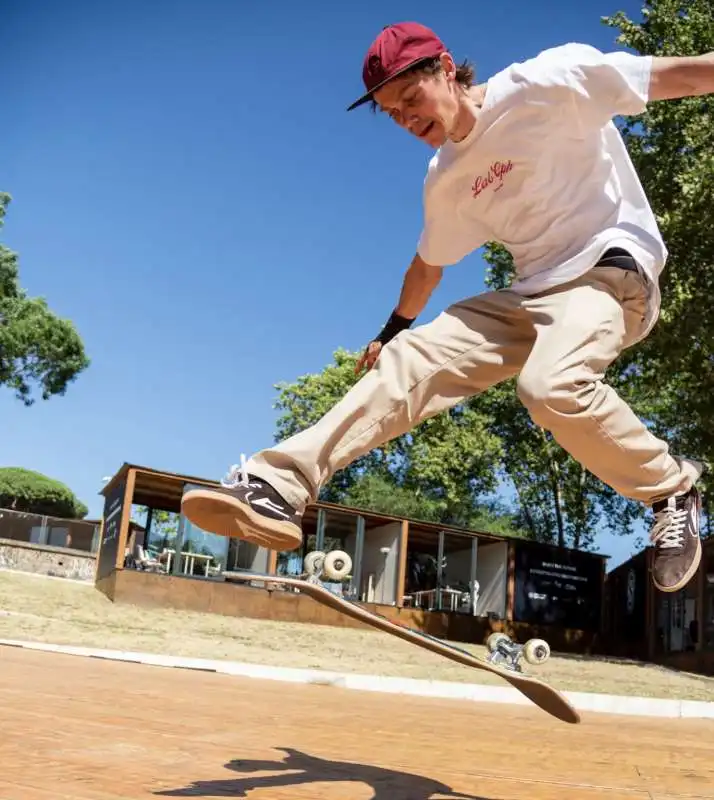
(333, 566)
(503, 651)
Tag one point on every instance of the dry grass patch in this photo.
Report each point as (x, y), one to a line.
(34, 608)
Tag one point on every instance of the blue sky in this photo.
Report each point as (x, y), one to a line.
(189, 189)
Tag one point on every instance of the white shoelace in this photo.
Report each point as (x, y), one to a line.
(668, 530)
(236, 476)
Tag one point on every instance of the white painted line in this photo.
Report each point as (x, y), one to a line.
(472, 692)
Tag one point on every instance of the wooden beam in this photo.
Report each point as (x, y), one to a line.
(402, 568)
(511, 582)
(125, 517)
(701, 600)
(650, 607)
(603, 599)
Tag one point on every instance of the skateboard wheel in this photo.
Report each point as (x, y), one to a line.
(337, 565)
(494, 640)
(314, 562)
(536, 651)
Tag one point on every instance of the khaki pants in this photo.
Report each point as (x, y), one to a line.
(561, 343)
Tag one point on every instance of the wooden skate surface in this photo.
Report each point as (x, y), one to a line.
(78, 728)
(540, 693)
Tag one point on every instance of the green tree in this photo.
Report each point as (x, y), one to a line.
(376, 493)
(380, 494)
(163, 525)
(669, 378)
(31, 492)
(38, 350)
(442, 468)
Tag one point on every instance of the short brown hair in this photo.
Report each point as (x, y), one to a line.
(465, 72)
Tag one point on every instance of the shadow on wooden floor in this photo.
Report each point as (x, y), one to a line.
(299, 768)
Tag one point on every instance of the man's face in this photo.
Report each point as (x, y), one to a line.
(425, 105)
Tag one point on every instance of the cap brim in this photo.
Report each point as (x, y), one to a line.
(369, 96)
(364, 99)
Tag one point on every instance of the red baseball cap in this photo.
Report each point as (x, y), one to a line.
(397, 48)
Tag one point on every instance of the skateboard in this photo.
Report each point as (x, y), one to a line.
(504, 655)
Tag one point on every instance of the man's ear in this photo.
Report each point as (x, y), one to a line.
(448, 66)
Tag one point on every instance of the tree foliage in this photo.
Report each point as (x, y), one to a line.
(163, 525)
(669, 378)
(383, 495)
(439, 471)
(31, 492)
(39, 352)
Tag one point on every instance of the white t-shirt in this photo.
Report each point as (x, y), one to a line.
(545, 172)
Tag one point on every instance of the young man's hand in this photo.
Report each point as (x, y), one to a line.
(369, 357)
(419, 282)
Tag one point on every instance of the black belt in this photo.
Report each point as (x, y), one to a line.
(617, 257)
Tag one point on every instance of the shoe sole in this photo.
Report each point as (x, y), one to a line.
(227, 516)
(688, 575)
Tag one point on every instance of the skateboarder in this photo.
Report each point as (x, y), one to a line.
(533, 160)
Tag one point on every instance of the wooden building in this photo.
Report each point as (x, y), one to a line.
(643, 623)
(451, 582)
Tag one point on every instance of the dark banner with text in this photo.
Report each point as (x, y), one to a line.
(113, 506)
(557, 587)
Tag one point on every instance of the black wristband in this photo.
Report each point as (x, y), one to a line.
(394, 325)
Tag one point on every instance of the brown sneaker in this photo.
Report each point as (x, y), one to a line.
(247, 508)
(675, 536)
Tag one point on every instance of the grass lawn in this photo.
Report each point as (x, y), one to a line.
(50, 610)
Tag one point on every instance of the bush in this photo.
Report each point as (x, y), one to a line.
(34, 493)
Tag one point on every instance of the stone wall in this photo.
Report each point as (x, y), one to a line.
(59, 562)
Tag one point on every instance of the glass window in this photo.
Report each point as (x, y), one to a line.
(422, 568)
(380, 563)
(246, 557)
(58, 537)
(456, 590)
(203, 554)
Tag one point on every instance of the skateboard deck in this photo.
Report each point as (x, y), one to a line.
(540, 693)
